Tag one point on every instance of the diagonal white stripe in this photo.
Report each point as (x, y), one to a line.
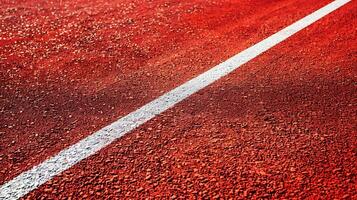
(38, 175)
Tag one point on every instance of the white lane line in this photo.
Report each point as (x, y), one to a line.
(38, 175)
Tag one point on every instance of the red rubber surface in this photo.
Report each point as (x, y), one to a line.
(69, 70)
(283, 125)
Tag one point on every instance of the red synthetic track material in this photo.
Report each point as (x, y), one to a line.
(52, 96)
(282, 126)
(69, 70)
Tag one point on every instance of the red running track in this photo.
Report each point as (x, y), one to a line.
(54, 95)
(281, 126)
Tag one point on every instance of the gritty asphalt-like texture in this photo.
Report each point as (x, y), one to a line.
(282, 126)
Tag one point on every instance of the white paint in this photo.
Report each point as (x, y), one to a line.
(38, 175)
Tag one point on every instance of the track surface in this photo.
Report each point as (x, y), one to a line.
(281, 126)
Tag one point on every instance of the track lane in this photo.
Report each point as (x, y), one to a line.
(285, 121)
(48, 112)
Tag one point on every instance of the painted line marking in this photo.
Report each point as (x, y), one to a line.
(38, 175)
